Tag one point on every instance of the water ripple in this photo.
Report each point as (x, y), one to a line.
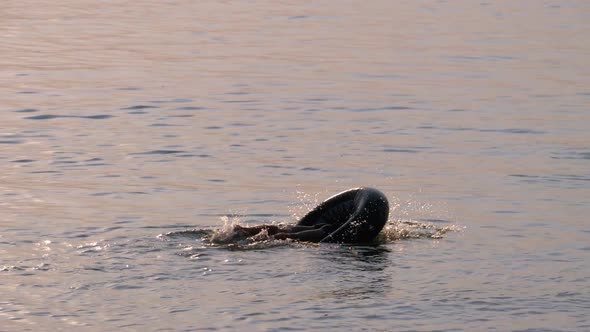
(165, 152)
(55, 116)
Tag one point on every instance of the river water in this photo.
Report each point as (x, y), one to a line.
(130, 129)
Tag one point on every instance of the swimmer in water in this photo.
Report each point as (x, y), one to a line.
(353, 216)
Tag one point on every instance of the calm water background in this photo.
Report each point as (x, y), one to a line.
(120, 121)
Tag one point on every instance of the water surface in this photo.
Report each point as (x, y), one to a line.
(128, 128)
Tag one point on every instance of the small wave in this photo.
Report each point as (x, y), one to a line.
(231, 234)
(187, 233)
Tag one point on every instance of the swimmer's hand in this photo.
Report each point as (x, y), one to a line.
(281, 236)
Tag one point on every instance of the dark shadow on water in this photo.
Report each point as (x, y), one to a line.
(337, 272)
(355, 272)
(362, 257)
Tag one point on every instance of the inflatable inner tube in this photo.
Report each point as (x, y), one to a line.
(357, 215)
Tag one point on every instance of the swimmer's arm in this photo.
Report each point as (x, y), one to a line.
(299, 228)
(312, 235)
